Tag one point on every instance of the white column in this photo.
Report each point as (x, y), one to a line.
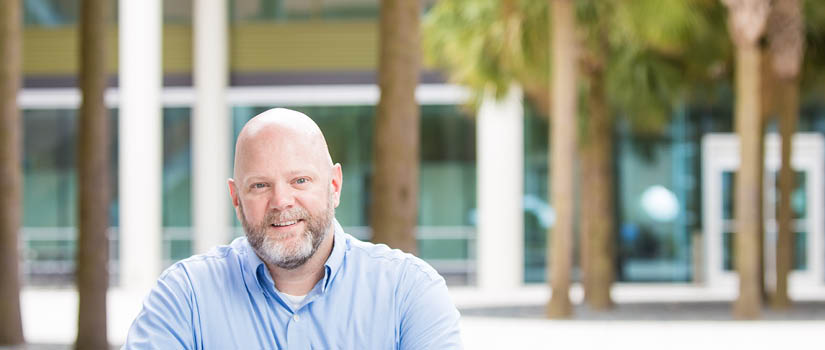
(140, 133)
(500, 169)
(210, 126)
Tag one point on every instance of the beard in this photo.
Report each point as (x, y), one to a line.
(289, 255)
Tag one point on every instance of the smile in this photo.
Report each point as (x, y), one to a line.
(285, 223)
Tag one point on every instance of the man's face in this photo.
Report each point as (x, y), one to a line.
(278, 244)
(285, 196)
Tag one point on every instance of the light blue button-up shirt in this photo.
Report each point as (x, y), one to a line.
(370, 297)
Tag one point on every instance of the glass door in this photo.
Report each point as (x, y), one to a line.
(720, 159)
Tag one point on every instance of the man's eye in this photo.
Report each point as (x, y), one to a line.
(259, 185)
(301, 180)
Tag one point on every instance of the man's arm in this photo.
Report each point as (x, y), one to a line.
(165, 322)
(429, 319)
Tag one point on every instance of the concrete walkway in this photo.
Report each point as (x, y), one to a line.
(646, 317)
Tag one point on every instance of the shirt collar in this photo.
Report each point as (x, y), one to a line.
(336, 257)
(253, 265)
(260, 273)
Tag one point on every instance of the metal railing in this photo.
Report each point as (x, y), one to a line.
(49, 252)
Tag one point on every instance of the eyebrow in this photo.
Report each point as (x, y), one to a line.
(292, 173)
(253, 178)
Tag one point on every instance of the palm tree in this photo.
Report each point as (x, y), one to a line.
(93, 178)
(651, 46)
(747, 21)
(394, 207)
(660, 49)
(596, 161)
(11, 333)
(596, 169)
(786, 48)
(563, 130)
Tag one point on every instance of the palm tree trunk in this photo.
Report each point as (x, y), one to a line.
(93, 178)
(788, 109)
(596, 220)
(394, 207)
(562, 154)
(747, 20)
(11, 182)
(786, 42)
(748, 190)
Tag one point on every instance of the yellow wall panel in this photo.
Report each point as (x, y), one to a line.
(304, 46)
(177, 49)
(54, 51)
(50, 51)
(254, 47)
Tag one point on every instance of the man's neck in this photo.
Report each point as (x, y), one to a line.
(301, 280)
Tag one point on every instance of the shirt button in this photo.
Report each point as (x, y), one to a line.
(296, 318)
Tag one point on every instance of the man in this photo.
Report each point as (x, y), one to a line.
(296, 281)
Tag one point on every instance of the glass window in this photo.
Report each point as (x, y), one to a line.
(61, 13)
(177, 168)
(654, 187)
(536, 202)
(447, 189)
(50, 194)
(50, 13)
(281, 10)
(655, 197)
(177, 184)
(57, 13)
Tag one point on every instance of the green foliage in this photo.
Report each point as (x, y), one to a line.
(813, 66)
(486, 44)
(663, 53)
(650, 53)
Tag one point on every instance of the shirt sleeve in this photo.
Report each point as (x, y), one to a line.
(165, 321)
(428, 317)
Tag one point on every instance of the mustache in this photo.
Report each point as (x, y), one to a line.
(296, 213)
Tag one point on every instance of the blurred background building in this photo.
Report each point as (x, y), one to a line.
(674, 189)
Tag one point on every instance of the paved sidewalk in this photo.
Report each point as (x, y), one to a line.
(646, 317)
(656, 311)
(520, 333)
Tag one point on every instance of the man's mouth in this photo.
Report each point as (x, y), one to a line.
(285, 223)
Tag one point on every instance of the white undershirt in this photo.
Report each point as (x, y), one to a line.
(294, 300)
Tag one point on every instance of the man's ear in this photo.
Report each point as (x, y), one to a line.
(233, 194)
(337, 182)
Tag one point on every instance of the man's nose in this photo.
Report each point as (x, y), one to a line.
(282, 198)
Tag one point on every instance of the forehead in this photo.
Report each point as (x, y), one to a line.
(276, 151)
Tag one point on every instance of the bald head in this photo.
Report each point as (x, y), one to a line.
(280, 130)
(285, 188)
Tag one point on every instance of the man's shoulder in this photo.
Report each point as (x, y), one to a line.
(220, 259)
(385, 259)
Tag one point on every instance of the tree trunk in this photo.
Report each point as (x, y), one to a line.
(748, 190)
(562, 154)
(786, 42)
(394, 208)
(747, 20)
(596, 218)
(93, 180)
(788, 109)
(11, 182)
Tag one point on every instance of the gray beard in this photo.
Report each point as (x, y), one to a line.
(271, 251)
